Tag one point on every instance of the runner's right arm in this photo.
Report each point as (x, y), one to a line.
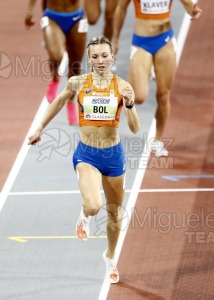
(53, 109)
(29, 14)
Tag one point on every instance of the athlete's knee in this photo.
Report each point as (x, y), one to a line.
(139, 100)
(140, 96)
(114, 213)
(93, 17)
(92, 209)
(141, 93)
(114, 217)
(92, 20)
(55, 59)
(163, 98)
(55, 55)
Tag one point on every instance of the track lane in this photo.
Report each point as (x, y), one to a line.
(168, 251)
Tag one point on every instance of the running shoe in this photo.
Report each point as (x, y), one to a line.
(82, 226)
(112, 274)
(52, 91)
(72, 114)
(158, 148)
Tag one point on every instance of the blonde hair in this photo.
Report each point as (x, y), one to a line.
(98, 41)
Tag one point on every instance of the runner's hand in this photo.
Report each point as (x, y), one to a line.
(196, 12)
(127, 94)
(35, 138)
(28, 21)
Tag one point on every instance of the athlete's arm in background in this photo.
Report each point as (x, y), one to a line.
(44, 4)
(29, 14)
(192, 9)
(119, 18)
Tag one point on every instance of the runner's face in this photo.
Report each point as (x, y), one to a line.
(100, 57)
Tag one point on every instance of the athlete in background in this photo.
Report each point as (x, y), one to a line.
(93, 12)
(153, 42)
(64, 27)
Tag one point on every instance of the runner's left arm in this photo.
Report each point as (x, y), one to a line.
(192, 9)
(128, 96)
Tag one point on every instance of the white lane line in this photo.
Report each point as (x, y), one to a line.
(175, 190)
(189, 190)
(130, 204)
(22, 154)
(181, 39)
(140, 174)
(25, 148)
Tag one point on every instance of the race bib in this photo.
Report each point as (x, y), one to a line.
(83, 25)
(100, 108)
(154, 6)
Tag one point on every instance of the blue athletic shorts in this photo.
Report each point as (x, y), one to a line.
(109, 161)
(152, 43)
(65, 20)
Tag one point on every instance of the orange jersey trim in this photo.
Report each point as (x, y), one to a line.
(140, 15)
(90, 91)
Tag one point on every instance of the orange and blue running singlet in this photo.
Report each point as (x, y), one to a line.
(99, 107)
(152, 9)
